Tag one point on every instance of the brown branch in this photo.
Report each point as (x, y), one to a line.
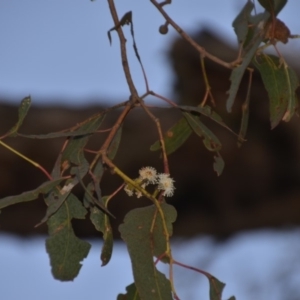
(122, 39)
(191, 41)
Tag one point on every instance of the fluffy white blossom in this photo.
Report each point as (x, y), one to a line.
(148, 174)
(129, 189)
(166, 184)
(138, 193)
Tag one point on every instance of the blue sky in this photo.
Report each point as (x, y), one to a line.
(59, 49)
(254, 265)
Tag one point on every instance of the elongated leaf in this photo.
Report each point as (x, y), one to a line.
(292, 84)
(102, 224)
(273, 6)
(237, 73)
(45, 188)
(208, 112)
(66, 251)
(114, 145)
(76, 144)
(72, 154)
(57, 197)
(58, 134)
(131, 294)
(241, 22)
(211, 142)
(281, 83)
(245, 114)
(94, 188)
(145, 237)
(175, 137)
(23, 110)
(54, 200)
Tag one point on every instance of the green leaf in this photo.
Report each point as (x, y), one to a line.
(66, 251)
(76, 131)
(72, 155)
(54, 200)
(208, 112)
(94, 188)
(114, 145)
(45, 188)
(102, 224)
(215, 288)
(145, 237)
(58, 134)
(74, 149)
(23, 110)
(175, 137)
(237, 73)
(131, 294)
(273, 5)
(245, 116)
(241, 22)
(211, 142)
(281, 83)
(232, 298)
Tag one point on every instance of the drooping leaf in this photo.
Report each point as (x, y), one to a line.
(245, 114)
(73, 157)
(102, 224)
(74, 149)
(57, 197)
(131, 294)
(144, 234)
(175, 137)
(65, 250)
(23, 110)
(215, 288)
(80, 129)
(54, 200)
(281, 83)
(211, 142)
(89, 198)
(241, 22)
(273, 6)
(208, 112)
(58, 134)
(114, 145)
(237, 73)
(44, 188)
(94, 188)
(292, 83)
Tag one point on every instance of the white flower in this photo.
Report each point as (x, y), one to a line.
(166, 184)
(138, 193)
(149, 174)
(129, 189)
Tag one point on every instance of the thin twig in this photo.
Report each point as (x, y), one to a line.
(191, 41)
(122, 39)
